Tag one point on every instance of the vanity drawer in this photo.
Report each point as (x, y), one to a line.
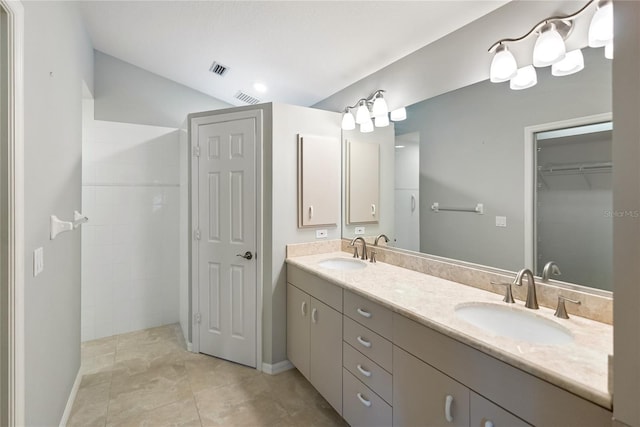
(318, 288)
(368, 372)
(361, 406)
(368, 313)
(368, 343)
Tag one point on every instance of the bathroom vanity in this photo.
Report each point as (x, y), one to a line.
(385, 346)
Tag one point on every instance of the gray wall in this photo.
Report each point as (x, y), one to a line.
(472, 151)
(126, 93)
(626, 198)
(58, 57)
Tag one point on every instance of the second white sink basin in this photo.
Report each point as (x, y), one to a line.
(342, 264)
(516, 323)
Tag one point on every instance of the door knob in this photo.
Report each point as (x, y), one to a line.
(246, 255)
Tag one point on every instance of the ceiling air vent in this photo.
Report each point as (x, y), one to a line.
(218, 69)
(246, 98)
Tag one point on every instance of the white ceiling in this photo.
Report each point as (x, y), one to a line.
(304, 51)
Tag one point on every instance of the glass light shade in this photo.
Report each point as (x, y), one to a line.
(608, 50)
(399, 115)
(381, 121)
(362, 113)
(379, 107)
(525, 78)
(367, 126)
(348, 122)
(503, 65)
(601, 27)
(549, 47)
(572, 63)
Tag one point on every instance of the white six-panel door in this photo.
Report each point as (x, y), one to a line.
(224, 219)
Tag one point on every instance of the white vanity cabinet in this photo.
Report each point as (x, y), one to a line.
(314, 333)
(423, 395)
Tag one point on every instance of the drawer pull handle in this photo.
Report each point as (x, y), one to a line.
(364, 401)
(363, 313)
(488, 423)
(447, 408)
(303, 308)
(314, 315)
(363, 371)
(364, 342)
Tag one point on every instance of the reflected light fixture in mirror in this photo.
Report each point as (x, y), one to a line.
(374, 107)
(550, 48)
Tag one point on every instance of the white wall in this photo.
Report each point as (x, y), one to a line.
(130, 247)
(288, 122)
(128, 94)
(58, 57)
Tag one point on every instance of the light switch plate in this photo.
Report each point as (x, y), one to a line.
(359, 230)
(501, 221)
(321, 234)
(38, 261)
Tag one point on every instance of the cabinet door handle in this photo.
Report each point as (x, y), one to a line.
(364, 342)
(303, 308)
(364, 401)
(310, 212)
(448, 401)
(488, 423)
(363, 313)
(363, 371)
(373, 209)
(314, 315)
(413, 202)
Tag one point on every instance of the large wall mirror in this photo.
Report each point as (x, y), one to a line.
(465, 184)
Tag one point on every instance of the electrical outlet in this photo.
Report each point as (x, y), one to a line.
(321, 234)
(38, 261)
(359, 230)
(501, 221)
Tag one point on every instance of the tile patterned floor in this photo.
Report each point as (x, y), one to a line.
(147, 378)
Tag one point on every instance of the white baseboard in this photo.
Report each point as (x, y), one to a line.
(277, 368)
(72, 397)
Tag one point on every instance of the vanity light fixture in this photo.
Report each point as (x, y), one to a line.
(371, 110)
(572, 63)
(550, 48)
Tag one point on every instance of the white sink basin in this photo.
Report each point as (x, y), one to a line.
(343, 264)
(516, 323)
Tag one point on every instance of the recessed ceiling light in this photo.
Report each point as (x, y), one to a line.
(399, 146)
(260, 87)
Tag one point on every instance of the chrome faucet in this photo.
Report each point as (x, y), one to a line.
(364, 248)
(386, 239)
(532, 300)
(550, 268)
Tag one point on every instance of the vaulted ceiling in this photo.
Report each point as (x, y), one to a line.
(302, 51)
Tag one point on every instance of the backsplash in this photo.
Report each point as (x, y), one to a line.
(595, 307)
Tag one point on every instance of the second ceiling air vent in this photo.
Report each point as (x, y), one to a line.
(248, 99)
(219, 69)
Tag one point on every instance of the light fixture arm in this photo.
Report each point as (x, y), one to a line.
(369, 100)
(566, 20)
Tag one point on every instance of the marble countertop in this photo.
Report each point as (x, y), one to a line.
(580, 367)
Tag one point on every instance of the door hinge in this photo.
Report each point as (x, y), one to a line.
(197, 318)
(196, 234)
(196, 151)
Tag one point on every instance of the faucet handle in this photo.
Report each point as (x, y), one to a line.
(561, 310)
(508, 296)
(372, 257)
